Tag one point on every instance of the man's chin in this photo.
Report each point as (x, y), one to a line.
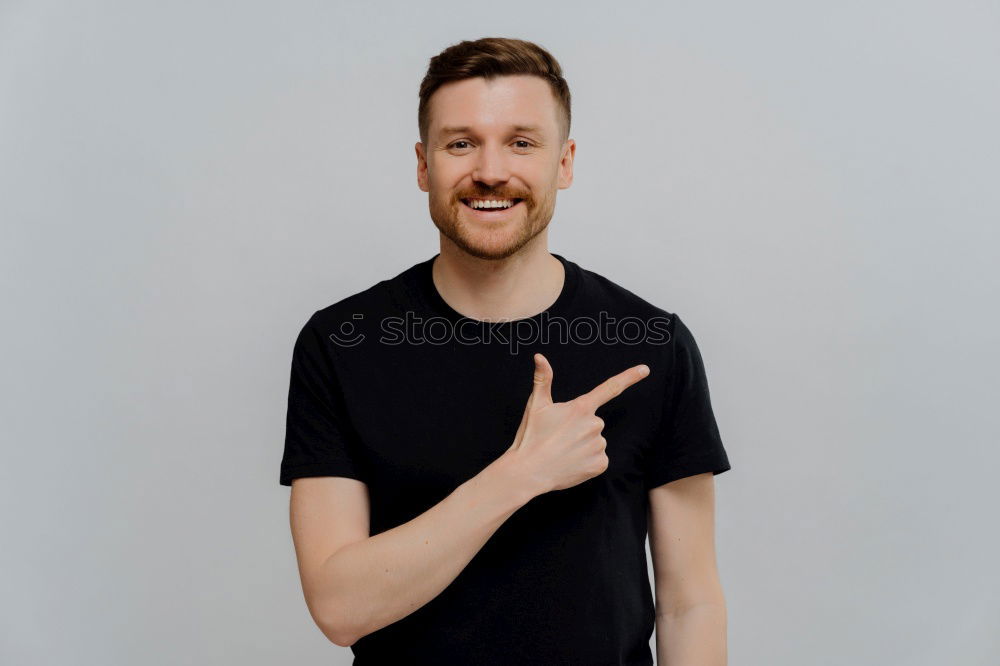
(485, 241)
(487, 250)
(487, 246)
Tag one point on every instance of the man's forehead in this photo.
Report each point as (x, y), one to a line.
(517, 103)
(527, 128)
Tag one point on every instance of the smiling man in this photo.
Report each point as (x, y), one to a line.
(491, 201)
(478, 446)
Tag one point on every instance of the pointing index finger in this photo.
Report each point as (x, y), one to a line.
(612, 387)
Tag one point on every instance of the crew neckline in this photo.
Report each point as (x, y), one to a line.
(438, 303)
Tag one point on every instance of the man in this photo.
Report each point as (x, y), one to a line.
(478, 446)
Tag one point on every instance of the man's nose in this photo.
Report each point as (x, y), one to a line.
(491, 166)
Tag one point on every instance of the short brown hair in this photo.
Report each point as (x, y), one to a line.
(491, 57)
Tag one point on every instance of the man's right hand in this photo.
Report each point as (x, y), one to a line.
(559, 445)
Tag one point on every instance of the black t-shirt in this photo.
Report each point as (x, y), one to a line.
(394, 387)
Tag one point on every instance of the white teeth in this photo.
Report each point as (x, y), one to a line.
(492, 203)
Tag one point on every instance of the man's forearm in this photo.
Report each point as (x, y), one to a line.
(379, 580)
(695, 636)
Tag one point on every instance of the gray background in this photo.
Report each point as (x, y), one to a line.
(811, 185)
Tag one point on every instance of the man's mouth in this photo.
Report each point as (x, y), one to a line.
(491, 207)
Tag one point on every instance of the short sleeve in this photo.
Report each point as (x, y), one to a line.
(319, 440)
(687, 441)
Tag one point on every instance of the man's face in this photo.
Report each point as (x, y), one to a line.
(494, 140)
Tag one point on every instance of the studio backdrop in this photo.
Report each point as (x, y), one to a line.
(811, 185)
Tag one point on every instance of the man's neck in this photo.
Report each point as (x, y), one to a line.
(517, 287)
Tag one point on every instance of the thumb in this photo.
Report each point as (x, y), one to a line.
(541, 393)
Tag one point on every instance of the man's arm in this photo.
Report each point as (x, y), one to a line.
(690, 606)
(354, 583)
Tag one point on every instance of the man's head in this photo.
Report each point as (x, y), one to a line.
(494, 121)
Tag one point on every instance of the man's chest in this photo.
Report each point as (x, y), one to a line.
(429, 418)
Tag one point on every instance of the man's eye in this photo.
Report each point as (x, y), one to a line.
(460, 144)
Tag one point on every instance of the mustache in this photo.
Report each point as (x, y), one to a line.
(493, 195)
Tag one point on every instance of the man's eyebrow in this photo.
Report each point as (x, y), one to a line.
(465, 128)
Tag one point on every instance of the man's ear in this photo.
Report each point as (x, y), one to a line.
(566, 164)
(421, 166)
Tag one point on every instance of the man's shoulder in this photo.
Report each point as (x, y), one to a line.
(602, 292)
(385, 297)
(361, 301)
